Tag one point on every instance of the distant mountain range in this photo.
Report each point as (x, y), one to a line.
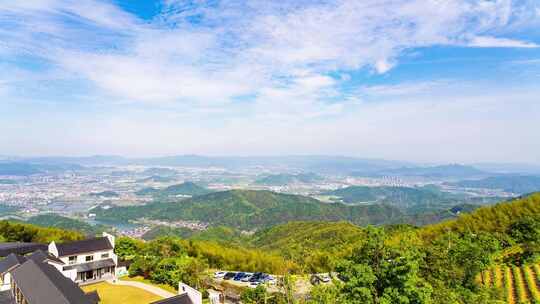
(248, 209)
(253, 210)
(510, 183)
(398, 196)
(444, 171)
(26, 169)
(330, 164)
(160, 171)
(411, 199)
(186, 188)
(305, 163)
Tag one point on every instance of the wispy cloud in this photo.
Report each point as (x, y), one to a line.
(483, 41)
(203, 74)
(216, 51)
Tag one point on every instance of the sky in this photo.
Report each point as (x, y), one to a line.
(416, 80)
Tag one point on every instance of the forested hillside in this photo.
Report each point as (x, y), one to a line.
(19, 232)
(496, 219)
(57, 221)
(250, 210)
(186, 188)
(439, 263)
(410, 199)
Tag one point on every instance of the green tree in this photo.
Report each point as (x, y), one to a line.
(179, 269)
(380, 273)
(127, 248)
(325, 294)
(257, 295)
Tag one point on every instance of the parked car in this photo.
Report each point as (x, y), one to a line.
(325, 278)
(256, 277)
(266, 278)
(219, 274)
(239, 276)
(317, 279)
(229, 275)
(247, 277)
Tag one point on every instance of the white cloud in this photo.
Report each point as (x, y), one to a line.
(382, 66)
(270, 73)
(405, 90)
(486, 41)
(241, 48)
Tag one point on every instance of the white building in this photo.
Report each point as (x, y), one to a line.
(87, 260)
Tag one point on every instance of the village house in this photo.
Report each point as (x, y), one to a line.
(54, 276)
(88, 260)
(32, 280)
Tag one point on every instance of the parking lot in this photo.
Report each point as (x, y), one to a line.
(245, 279)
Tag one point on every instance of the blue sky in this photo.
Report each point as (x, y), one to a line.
(430, 80)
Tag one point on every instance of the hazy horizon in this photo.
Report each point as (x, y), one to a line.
(421, 81)
(405, 162)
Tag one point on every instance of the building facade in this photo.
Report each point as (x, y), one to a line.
(88, 260)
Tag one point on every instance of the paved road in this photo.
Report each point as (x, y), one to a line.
(153, 289)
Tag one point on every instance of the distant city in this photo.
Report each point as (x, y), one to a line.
(75, 187)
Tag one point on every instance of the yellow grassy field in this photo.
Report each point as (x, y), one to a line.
(520, 284)
(115, 294)
(143, 280)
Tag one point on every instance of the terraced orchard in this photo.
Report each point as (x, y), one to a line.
(520, 284)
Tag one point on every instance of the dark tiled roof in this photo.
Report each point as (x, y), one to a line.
(11, 261)
(20, 248)
(88, 245)
(92, 296)
(91, 265)
(42, 283)
(6, 297)
(42, 256)
(179, 299)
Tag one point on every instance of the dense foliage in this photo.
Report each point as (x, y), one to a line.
(212, 254)
(186, 188)
(314, 246)
(57, 221)
(251, 210)
(411, 199)
(439, 263)
(381, 265)
(19, 232)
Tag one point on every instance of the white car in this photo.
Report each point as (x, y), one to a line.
(325, 278)
(219, 274)
(247, 277)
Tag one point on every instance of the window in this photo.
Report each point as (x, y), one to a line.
(105, 255)
(89, 258)
(72, 260)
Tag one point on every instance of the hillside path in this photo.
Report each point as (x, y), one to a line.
(152, 289)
